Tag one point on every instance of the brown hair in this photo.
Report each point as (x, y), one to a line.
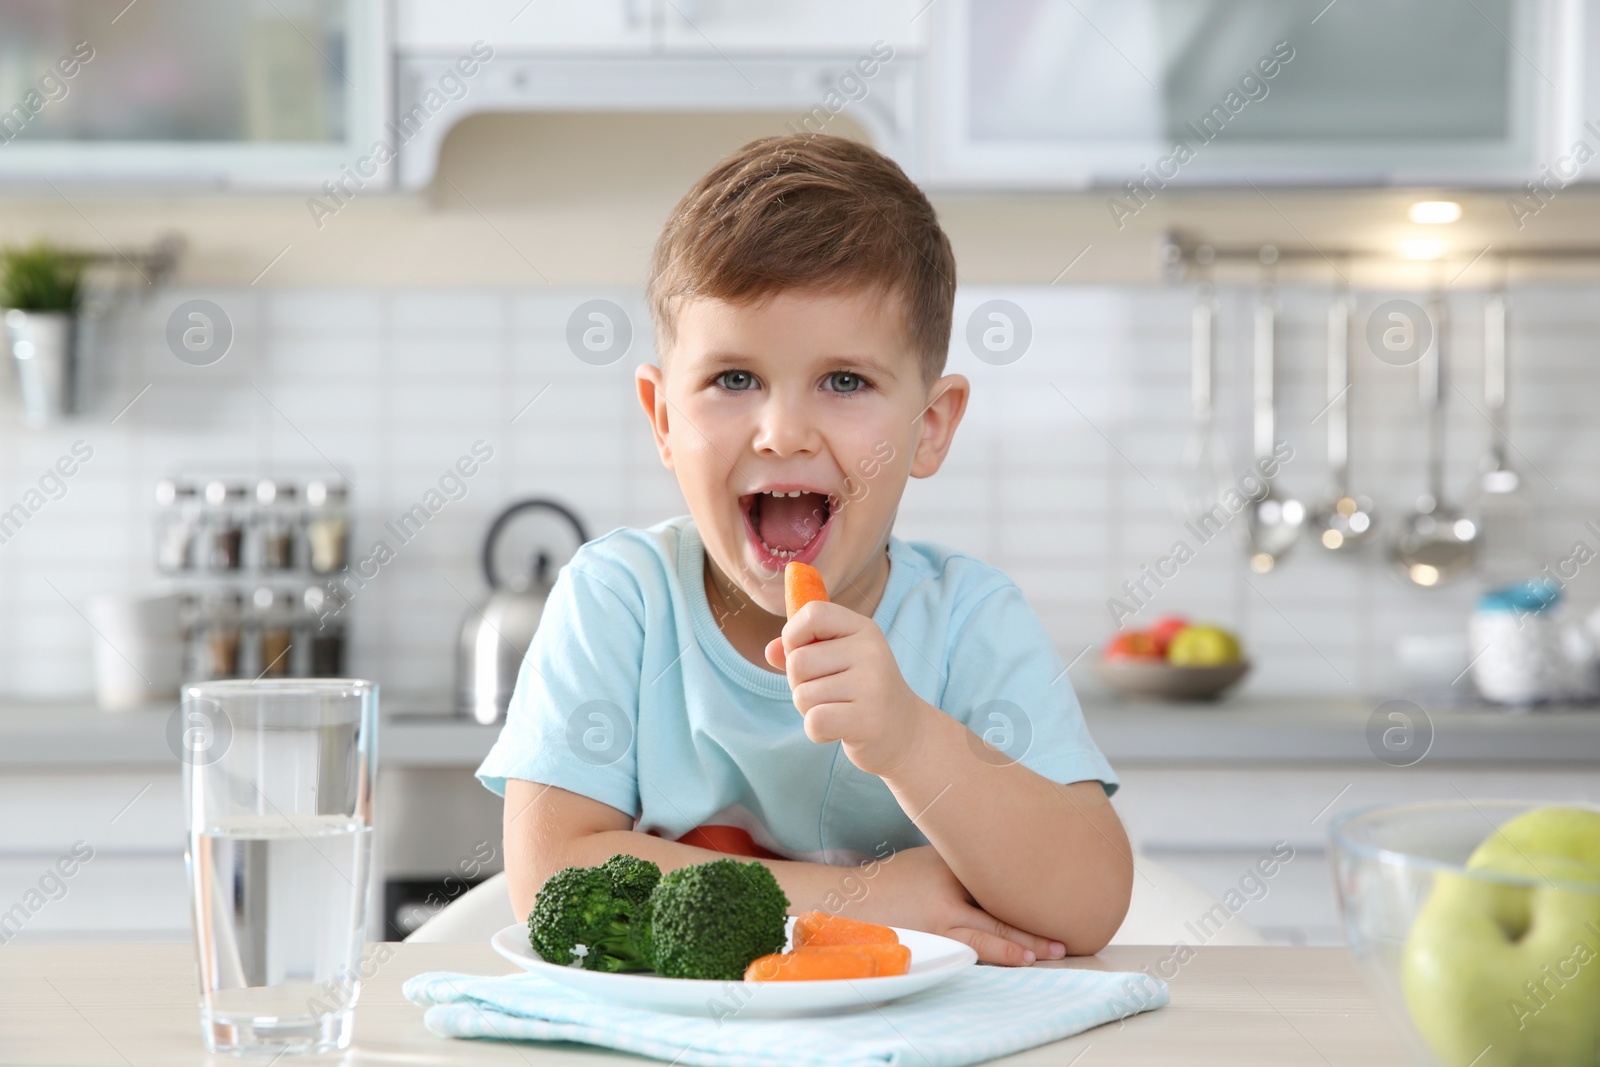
(807, 212)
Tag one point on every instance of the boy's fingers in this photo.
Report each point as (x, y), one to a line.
(776, 655)
(819, 660)
(826, 723)
(820, 620)
(991, 948)
(819, 694)
(1042, 947)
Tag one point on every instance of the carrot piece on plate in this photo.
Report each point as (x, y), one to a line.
(811, 967)
(890, 959)
(801, 585)
(821, 928)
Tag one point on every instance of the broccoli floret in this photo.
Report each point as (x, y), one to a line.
(713, 919)
(708, 921)
(631, 878)
(578, 908)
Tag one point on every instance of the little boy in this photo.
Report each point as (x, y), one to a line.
(802, 294)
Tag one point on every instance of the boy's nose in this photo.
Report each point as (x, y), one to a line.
(786, 428)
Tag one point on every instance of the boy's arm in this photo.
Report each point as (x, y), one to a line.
(1044, 856)
(548, 828)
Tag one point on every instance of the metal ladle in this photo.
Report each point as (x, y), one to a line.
(1206, 473)
(1504, 506)
(1273, 521)
(1436, 543)
(1498, 475)
(1347, 521)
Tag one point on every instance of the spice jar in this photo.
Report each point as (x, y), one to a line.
(272, 532)
(322, 632)
(222, 527)
(177, 523)
(214, 651)
(273, 632)
(327, 527)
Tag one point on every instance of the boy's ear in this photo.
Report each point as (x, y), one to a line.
(653, 398)
(947, 403)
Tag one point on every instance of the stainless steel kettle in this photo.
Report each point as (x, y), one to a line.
(494, 638)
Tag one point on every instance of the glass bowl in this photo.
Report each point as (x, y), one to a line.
(1481, 966)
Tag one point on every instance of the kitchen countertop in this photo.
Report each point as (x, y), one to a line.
(1231, 1007)
(1249, 729)
(78, 734)
(1246, 729)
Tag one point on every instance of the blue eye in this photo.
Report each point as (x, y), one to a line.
(843, 381)
(736, 381)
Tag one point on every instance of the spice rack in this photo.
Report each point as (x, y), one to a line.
(252, 558)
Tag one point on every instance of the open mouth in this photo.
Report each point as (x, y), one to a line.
(786, 524)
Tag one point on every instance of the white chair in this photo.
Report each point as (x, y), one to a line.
(477, 915)
(1166, 908)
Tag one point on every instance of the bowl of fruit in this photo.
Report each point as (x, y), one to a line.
(1173, 660)
(1477, 926)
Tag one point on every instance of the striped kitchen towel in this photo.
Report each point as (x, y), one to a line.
(985, 1013)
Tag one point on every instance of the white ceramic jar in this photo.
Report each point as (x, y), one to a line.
(1516, 645)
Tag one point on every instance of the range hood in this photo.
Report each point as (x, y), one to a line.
(814, 87)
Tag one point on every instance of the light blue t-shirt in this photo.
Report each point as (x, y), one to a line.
(631, 695)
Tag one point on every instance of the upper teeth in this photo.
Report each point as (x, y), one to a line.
(797, 492)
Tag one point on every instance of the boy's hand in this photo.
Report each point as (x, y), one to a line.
(916, 889)
(848, 686)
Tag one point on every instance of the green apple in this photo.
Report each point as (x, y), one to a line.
(1202, 646)
(1508, 975)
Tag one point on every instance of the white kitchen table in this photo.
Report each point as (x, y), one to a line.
(131, 1005)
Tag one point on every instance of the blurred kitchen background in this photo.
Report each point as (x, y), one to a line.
(336, 253)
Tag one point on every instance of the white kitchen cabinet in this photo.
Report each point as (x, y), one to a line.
(112, 897)
(120, 835)
(789, 27)
(603, 27)
(1212, 822)
(676, 27)
(183, 93)
(1056, 95)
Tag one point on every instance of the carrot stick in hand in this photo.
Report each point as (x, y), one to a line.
(801, 585)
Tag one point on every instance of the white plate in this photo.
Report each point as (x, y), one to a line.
(934, 959)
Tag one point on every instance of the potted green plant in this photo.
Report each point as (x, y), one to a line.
(41, 287)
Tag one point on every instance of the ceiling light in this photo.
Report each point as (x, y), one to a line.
(1435, 212)
(1421, 249)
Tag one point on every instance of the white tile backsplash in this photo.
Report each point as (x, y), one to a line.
(1063, 472)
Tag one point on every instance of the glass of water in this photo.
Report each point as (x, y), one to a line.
(278, 786)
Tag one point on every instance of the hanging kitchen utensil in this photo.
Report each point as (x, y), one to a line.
(1206, 472)
(1497, 477)
(494, 639)
(1436, 543)
(1503, 507)
(1346, 522)
(1273, 521)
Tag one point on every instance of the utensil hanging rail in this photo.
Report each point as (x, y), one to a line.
(1183, 255)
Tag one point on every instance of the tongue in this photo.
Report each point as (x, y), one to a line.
(789, 523)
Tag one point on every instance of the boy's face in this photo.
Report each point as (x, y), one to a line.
(792, 425)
